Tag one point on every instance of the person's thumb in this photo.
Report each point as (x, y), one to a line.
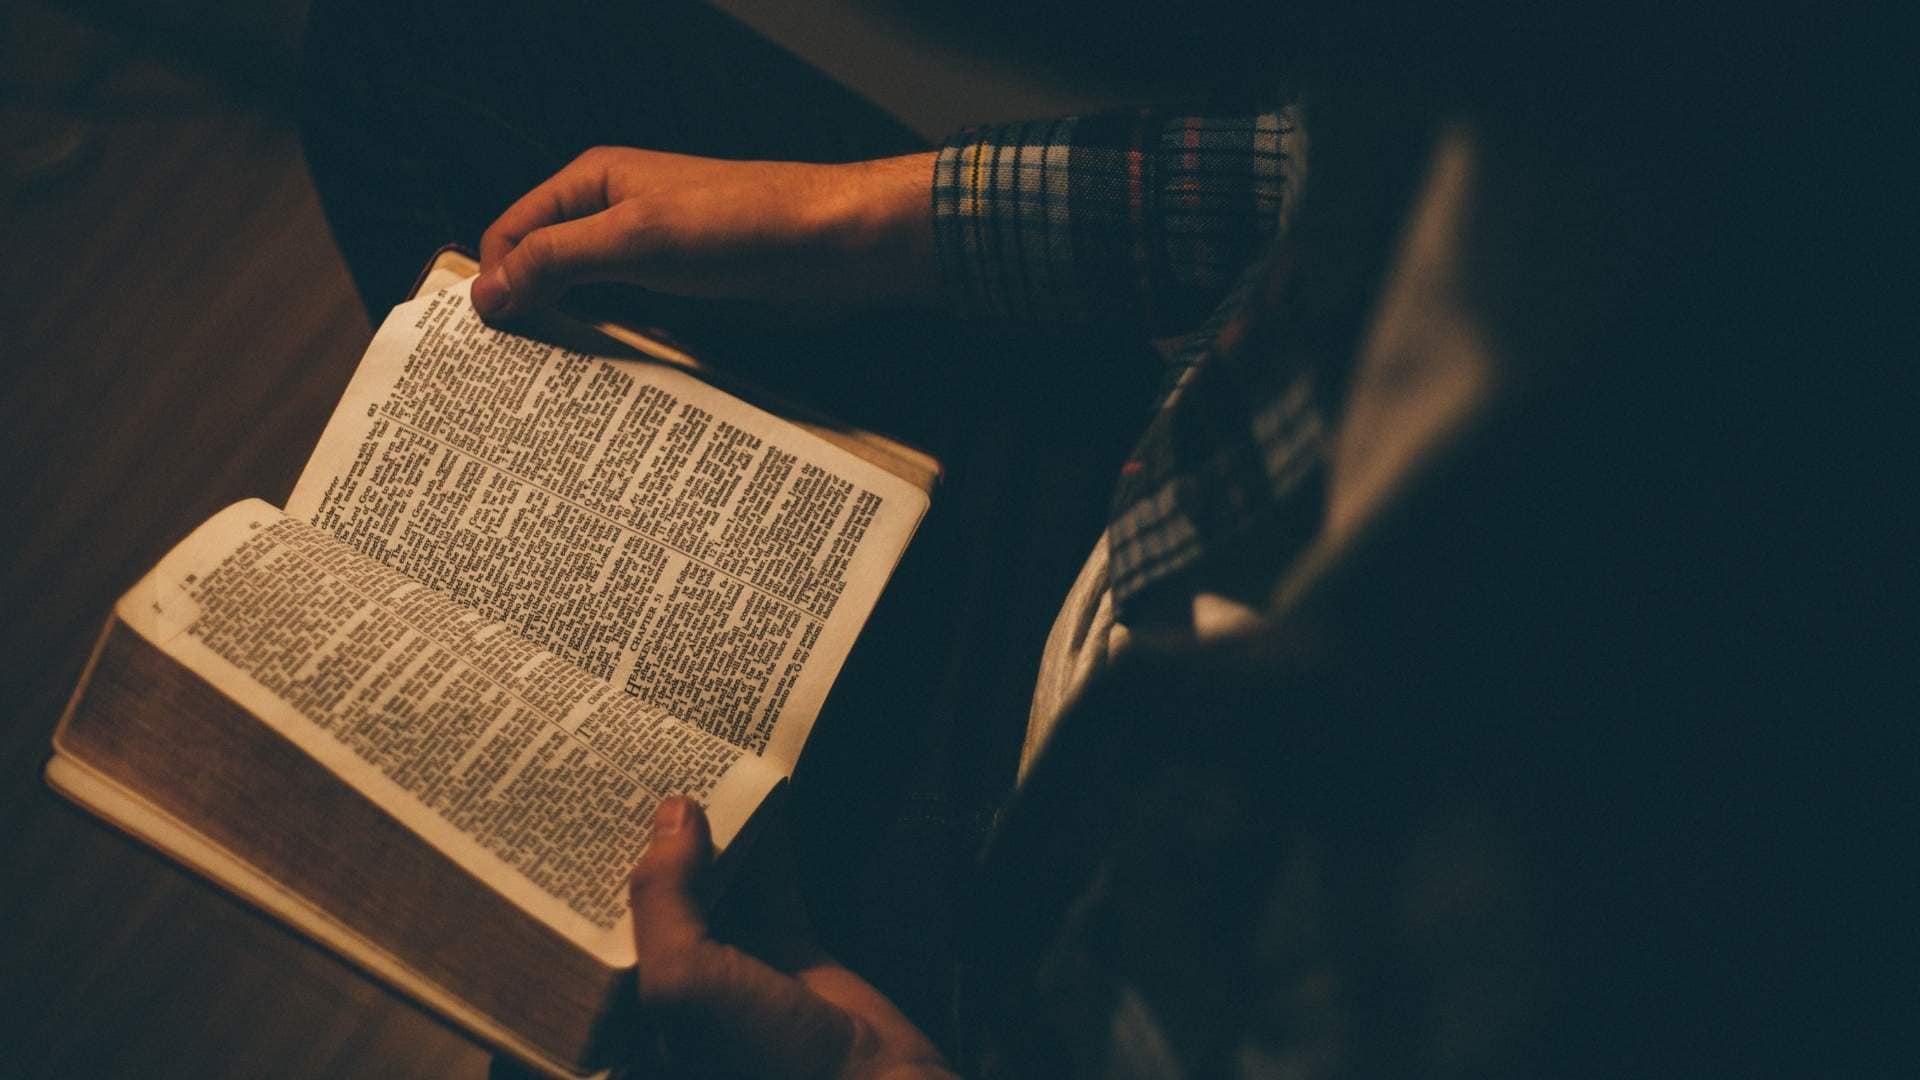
(666, 912)
(548, 261)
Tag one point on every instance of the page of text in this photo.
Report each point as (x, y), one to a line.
(534, 776)
(663, 536)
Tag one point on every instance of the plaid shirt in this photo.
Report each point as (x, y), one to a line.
(1167, 223)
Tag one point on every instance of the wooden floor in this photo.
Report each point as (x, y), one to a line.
(174, 327)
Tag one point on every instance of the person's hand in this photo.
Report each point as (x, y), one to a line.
(717, 1005)
(780, 232)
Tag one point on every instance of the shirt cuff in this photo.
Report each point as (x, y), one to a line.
(1140, 217)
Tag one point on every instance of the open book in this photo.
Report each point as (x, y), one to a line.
(525, 588)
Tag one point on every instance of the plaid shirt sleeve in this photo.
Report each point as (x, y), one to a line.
(1143, 218)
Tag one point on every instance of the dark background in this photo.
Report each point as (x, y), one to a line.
(175, 326)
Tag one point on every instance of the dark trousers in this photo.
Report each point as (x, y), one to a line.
(423, 122)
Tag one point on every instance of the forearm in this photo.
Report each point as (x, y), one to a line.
(1132, 219)
(876, 219)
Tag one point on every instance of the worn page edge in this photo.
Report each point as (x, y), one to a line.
(134, 815)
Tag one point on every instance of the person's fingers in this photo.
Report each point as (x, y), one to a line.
(726, 1005)
(548, 261)
(857, 997)
(834, 983)
(667, 919)
(578, 189)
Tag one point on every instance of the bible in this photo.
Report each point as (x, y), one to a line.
(525, 588)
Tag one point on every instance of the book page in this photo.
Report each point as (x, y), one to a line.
(529, 773)
(662, 535)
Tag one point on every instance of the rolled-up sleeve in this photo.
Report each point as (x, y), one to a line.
(1142, 218)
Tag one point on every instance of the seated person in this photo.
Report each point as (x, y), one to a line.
(1310, 780)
